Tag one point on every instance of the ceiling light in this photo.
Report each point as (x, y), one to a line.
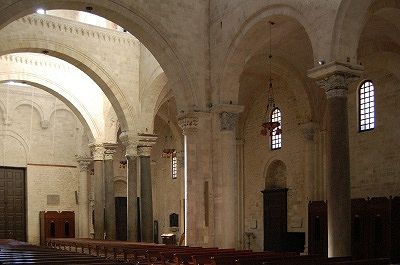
(41, 11)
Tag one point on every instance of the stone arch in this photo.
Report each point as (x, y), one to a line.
(33, 104)
(275, 175)
(238, 52)
(120, 185)
(351, 19)
(4, 112)
(88, 65)
(47, 85)
(135, 20)
(19, 139)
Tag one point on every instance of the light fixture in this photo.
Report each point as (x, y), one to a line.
(168, 149)
(41, 11)
(269, 126)
(321, 62)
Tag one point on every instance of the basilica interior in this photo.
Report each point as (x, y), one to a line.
(254, 125)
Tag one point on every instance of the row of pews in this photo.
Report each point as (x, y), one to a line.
(149, 254)
(15, 252)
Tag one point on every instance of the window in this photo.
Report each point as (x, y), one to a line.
(174, 166)
(276, 136)
(367, 106)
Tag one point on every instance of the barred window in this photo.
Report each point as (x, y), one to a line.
(366, 106)
(276, 136)
(174, 166)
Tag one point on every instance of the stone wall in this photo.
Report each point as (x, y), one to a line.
(47, 150)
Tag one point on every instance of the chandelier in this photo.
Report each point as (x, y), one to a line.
(168, 149)
(270, 127)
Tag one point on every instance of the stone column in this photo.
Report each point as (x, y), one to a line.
(110, 225)
(98, 184)
(146, 196)
(226, 181)
(83, 200)
(197, 144)
(310, 186)
(334, 78)
(131, 167)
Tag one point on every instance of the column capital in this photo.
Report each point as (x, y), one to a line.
(109, 150)
(83, 162)
(335, 77)
(309, 129)
(130, 141)
(97, 150)
(188, 124)
(228, 115)
(146, 142)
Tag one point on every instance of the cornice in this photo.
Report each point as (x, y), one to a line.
(35, 61)
(79, 28)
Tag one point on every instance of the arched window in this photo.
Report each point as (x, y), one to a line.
(366, 106)
(276, 136)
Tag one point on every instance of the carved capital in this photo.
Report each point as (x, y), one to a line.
(228, 120)
(109, 151)
(97, 151)
(45, 124)
(83, 162)
(130, 142)
(188, 124)
(144, 150)
(335, 77)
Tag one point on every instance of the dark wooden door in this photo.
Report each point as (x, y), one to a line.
(275, 219)
(359, 228)
(395, 214)
(379, 215)
(121, 218)
(12, 203)
(317, 228)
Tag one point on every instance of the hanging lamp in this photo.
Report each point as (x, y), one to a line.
(269, 126)
(168, 149)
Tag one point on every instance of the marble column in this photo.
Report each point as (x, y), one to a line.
(110, 221)
(197, 144)
(98, 184)
(83, 197)
(334, 78)
(146, 194)
(132, 176)
(226, 181)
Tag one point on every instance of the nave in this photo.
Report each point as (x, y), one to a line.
(87, 251)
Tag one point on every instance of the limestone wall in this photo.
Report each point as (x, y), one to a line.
(47, 150)
(257, 159)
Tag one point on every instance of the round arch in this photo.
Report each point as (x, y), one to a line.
(80, 111)
(88, 65)
(133, 19)
(275, 175)
(243, 42)
(351, 19)
(35, 105)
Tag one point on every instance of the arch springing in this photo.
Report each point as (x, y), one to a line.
(366, 106)
(276, 135)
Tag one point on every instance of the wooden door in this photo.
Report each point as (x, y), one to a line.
(317, 228)
(395, 214)
(379, 240)
(275, 219)
(12, 203)
(359, 228)
(121, 218)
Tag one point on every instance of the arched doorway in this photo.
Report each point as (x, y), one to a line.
(275, 207)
